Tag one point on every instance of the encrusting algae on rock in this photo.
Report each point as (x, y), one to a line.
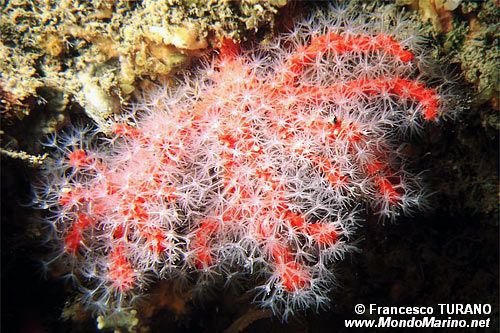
(114, 45)
(468, 31)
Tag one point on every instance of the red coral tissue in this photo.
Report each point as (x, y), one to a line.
(262, 163)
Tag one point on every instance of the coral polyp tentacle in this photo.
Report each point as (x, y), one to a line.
(263, 163)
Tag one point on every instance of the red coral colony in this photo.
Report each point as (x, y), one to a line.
(261, 164)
